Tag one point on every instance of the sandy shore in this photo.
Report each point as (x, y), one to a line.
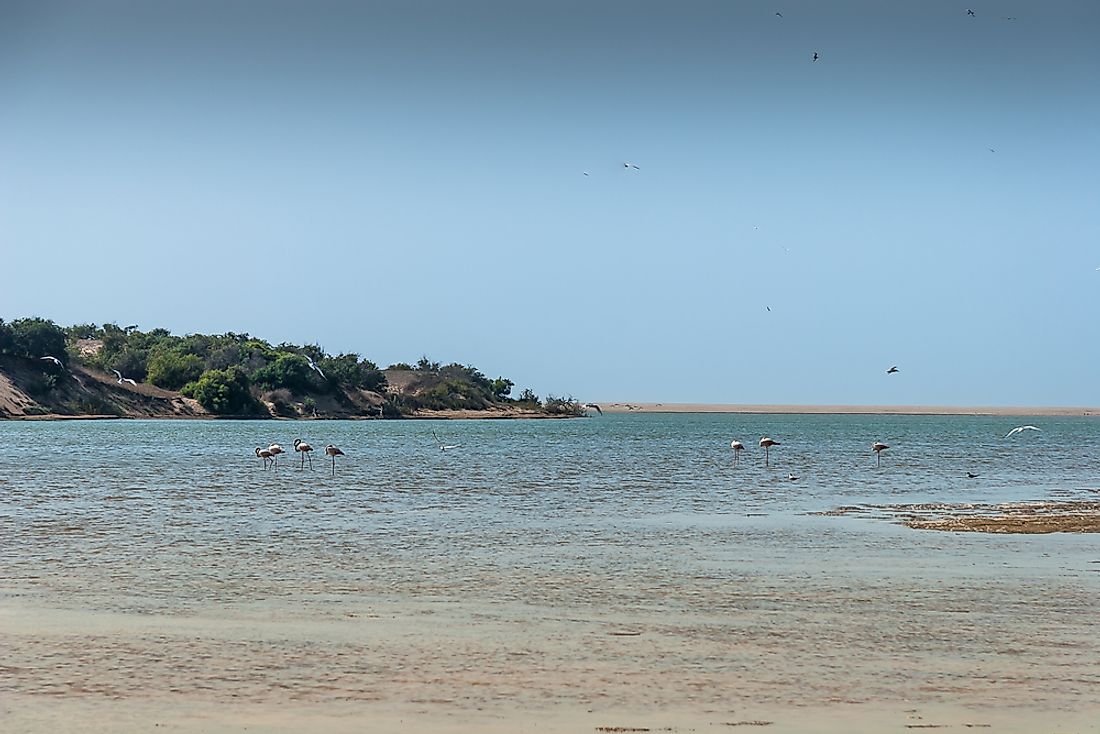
(843, 409)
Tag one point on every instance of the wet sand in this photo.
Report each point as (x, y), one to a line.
(1027, 518)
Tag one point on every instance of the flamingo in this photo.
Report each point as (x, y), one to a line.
(305, 449)
(766, 443)
(275, 450)
(332, 451)
(737, 447)
(878, 447)
(265, 455)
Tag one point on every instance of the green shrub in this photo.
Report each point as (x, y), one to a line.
(35, 338)
(223, 392)
(290, 371)
(172, 370)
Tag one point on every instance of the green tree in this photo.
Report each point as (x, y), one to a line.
(501, 388)
(34, 338)
(223, 392)
(172, 370)
(7, 340)
(291, 371)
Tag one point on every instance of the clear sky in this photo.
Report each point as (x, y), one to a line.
(407, 178)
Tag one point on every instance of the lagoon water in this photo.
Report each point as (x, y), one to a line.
(547, 575)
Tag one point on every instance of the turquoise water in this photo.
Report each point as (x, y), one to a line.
(564, 530)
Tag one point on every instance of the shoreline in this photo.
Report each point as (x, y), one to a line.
(624, 408)
(774, 409)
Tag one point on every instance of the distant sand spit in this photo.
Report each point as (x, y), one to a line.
(842, 409)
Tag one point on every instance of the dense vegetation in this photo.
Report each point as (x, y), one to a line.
(237, 374)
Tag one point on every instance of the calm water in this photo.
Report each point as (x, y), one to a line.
(502, 573)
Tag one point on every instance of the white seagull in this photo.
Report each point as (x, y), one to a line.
(1021, 429)
(445, 446)
(57, 361)
(591, 406)
(313, 366)
(122, 379)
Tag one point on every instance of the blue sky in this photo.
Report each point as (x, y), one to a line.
(407, 178)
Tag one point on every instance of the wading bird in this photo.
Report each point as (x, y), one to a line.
(275, 449)
(305, 450)
(737, 447)
(55, 360)
(1021, 429)
(122, 379)
(767, 443)
(878, 447)
(265, 455)
(332, 451)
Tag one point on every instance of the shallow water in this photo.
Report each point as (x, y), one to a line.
(620, 563)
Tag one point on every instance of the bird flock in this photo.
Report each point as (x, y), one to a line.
(270, 455)
(767, 442)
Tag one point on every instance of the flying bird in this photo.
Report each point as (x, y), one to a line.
(592, 406)
(122, 379)
(878, 447)
(305, 449)
(779, 14)
(991, 150)
(332, 451)
(892, 370)
(737, 447)
(313, 366)
(1021, 429)
(445, 446)
(816, 57)
(57, 361)
(970, 13)
(631, 165)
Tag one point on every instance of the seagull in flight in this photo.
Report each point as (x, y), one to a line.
(57, 361)
(779, 14)
(816, 56)
(122, 379)
(1021, 429)
(592, 406)
(445, 446)
(631, 165)
(970, 13)
(892, 370)
(313, 366)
